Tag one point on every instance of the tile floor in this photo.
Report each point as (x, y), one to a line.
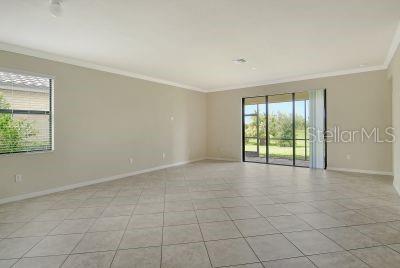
(210, 214)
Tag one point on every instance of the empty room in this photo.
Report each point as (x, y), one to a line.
(204, 134)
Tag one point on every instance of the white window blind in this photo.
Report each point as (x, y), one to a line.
(25, 113)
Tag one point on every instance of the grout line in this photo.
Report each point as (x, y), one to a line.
(126, 227)
(201, 232)
(163, 225)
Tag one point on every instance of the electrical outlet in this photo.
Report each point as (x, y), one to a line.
(164, 155)
(18, 178)
(348, 157)
(172, 118)
(131, 161)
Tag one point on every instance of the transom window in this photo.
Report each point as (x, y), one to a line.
(26, 113)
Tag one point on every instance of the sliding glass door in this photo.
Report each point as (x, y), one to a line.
(254, 129)
(301, 120)
(280, 129)
(276, 129)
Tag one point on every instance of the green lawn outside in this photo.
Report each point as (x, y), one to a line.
(277, 151)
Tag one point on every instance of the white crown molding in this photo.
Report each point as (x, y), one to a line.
(91, 182)
(303, 77)
(81, 63)
(393, 47)
(49, 56)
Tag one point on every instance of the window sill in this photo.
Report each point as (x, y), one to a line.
(26, 153)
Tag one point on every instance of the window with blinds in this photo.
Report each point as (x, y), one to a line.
(25, 113)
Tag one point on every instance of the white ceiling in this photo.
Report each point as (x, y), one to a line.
(193, 42)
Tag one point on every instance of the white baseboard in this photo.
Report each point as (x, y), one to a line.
(222, 159)
(95, 181)
(372, 172)
(397, 188)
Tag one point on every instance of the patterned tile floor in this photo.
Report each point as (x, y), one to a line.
(210, 214)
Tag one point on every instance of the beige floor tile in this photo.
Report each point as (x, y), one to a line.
(99, 241)
(230, 252)
(327, 206)
(110, 224)
(272, 210)
(259, 200)
(16, 247)
(312, 242)
(35, 229)
(289, 223)
(350, 217)
(90, 260)
(253, 227)
(211, 215)
(55, 245)
(85, 213)
(273, 247)
(138, 258)
(190, 255)
(252, 265)
(380, 232)
(233, 202)
(378, 257)
(206, 203)
(181, 234)
(8, 228)
(349, 238)
(394, 224)
(73, 226)
(178, 206)
(337, 259)
(299, 208)
(379, 214)
(145, 237)
(7, 263)
(41, 262)
(238, 213)
(299, 262)
(219, 230)
(292, 199)
(179, 218)
(97, 202)
(53, 215)
(149, 208)
(124, 200)
(146, 220)
(115, 211)
(395, 247)
(320, 220)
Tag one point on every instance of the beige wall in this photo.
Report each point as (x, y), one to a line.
(394, 74)
(353, 101)
(101, 120)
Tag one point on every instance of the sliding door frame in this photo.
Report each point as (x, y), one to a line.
(294, 139)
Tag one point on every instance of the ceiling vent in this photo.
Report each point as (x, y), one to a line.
(239, 61)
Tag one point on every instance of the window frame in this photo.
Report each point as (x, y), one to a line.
(50, 112)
